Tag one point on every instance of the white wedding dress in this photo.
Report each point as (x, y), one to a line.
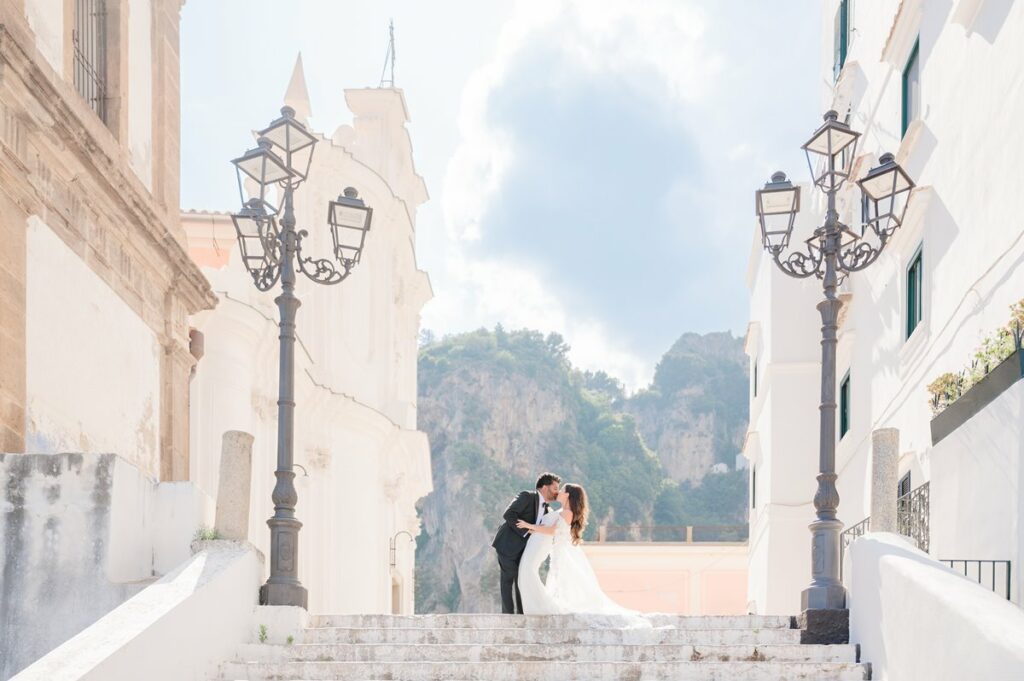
(572, 586)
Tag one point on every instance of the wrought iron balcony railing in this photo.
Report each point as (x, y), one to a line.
(912, 511)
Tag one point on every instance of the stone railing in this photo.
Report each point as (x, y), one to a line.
(687, 534)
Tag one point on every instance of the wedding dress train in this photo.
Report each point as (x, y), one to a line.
(572, 586)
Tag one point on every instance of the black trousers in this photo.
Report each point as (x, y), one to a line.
(510, 585)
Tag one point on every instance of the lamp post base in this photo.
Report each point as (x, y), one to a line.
(284, 594)
(828, 597)
(824, 627)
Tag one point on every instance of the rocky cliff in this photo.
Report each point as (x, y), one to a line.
(501, 407)
(694, 414)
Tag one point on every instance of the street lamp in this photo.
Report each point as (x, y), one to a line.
(271, 250)
(831, 253)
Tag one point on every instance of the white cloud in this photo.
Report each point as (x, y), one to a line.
(661, 41)
(485, 291)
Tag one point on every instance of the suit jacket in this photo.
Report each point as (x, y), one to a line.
(511, 541)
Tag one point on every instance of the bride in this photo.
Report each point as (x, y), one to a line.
(571, 585)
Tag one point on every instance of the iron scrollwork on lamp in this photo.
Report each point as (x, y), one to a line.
(272, 251)
(832, 252)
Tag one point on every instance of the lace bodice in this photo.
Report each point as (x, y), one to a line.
(562, 536)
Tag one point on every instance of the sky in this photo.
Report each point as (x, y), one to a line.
(591, 163)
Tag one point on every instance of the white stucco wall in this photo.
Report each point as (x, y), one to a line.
(782, 442)
(140, 89)
(972, 83)
(80, 336)
(980, 467)
(46, 19)
(917, 620)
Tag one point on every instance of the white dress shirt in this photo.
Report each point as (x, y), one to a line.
(540, 508)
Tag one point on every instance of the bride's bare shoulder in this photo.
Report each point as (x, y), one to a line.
(566, 514)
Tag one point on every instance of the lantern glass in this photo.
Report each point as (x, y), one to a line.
(777, 205)
(834, 146)
(257, 236)
(292, 141)
(262, 167)
(350, 220)
(886, 189)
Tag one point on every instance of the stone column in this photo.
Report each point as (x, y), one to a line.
(232, 520)
(885, 455)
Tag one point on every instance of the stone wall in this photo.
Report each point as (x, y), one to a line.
(81, 534)
(111, 200)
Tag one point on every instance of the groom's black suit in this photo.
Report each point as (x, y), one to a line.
(510, 542)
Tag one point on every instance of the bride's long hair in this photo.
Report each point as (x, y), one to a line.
(579, 507)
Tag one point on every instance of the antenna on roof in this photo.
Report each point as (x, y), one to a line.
(389, 59)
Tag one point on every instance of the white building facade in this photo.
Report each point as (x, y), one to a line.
(940, 85)
(362, 463)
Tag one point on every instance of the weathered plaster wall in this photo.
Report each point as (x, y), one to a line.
(93, 366)
(46, 19)
(81, 533)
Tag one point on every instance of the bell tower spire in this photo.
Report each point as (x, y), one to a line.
(297, 96)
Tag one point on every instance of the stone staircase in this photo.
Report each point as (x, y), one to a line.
(545, 648)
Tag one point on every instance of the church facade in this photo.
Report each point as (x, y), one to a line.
(362, 463)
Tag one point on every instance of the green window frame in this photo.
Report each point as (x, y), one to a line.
(903, 487)
(844, 406)
(915, 290)
(841, 37)
(753, 486)
(911, 80)
(755, 377)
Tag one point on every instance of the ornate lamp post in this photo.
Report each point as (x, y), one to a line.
(271, 250)
(831, 253)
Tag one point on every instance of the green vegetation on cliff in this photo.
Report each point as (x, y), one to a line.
(502, 406)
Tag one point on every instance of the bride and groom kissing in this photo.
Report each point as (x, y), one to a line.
(532, 531)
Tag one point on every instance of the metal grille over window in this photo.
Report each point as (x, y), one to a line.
(90, 46)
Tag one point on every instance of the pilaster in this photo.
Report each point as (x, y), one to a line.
(12, 325)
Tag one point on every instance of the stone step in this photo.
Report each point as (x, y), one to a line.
(546, 671)
(468, 653)
(519, 636)
(495, 621)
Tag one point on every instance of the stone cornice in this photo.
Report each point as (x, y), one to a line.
(96, 149)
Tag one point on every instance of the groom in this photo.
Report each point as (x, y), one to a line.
(510, 542)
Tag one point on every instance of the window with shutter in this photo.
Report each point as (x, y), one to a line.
(911, 88)
(841, 37)
(915, 284)
(903, 488)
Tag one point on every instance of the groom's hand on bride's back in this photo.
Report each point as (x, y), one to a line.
(516, 508)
